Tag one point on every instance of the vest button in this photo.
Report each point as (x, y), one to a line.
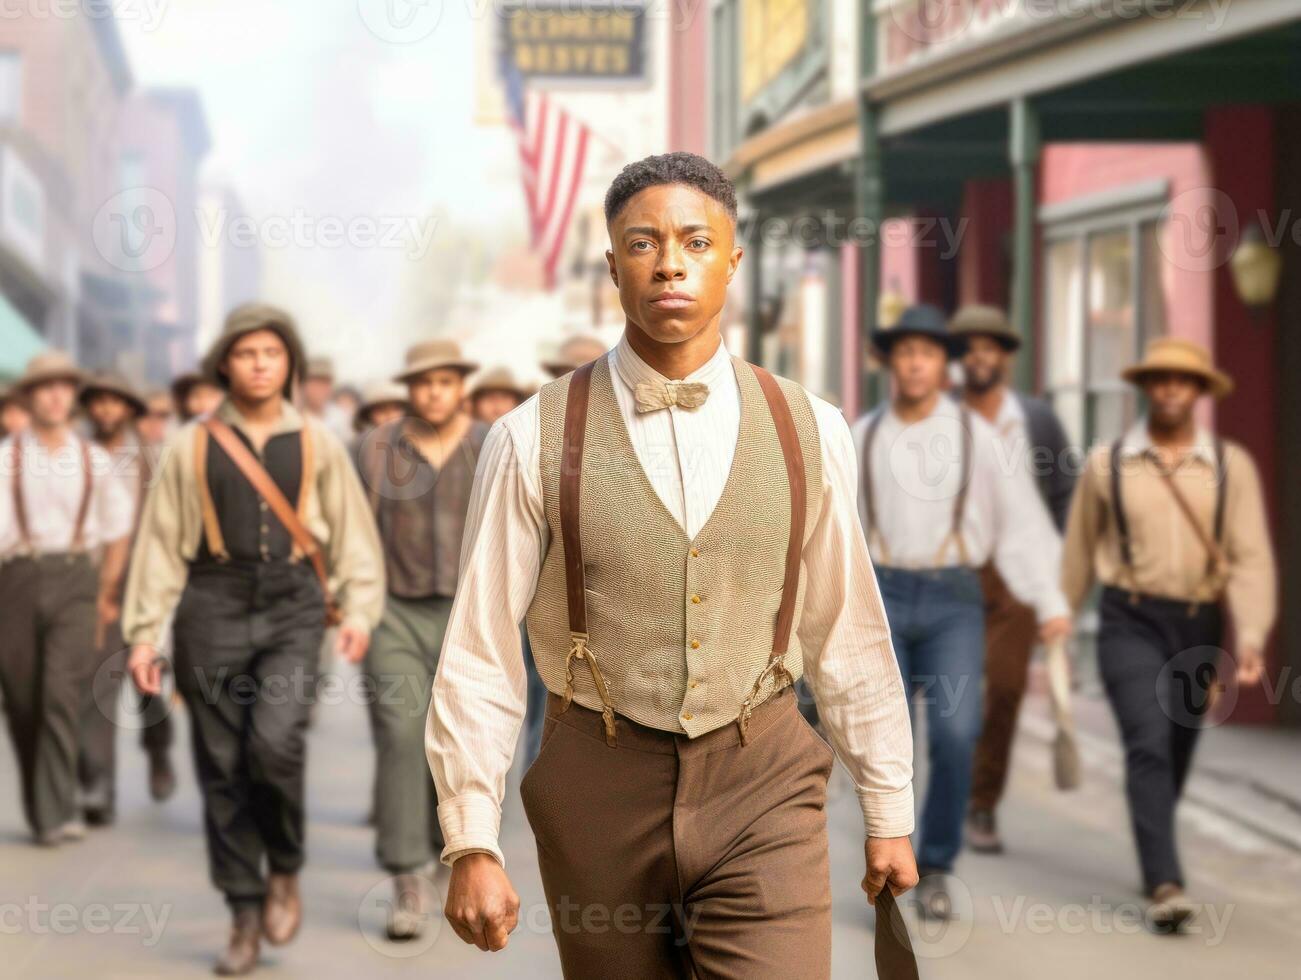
(695, 598)
(687, 716)
(693, 684)
(695, 552)
(695, 644)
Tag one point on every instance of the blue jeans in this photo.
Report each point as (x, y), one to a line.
(937, 625)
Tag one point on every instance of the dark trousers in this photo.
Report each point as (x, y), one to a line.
(669, 857)
(102, 716)
(1157, 658)
(400, 666)
(247, 639)
(48, 606)
(1010, 634)
(937, 627)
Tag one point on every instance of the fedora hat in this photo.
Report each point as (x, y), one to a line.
(244, 320)
(981, 320)
(320, 368)
(377, 394)
(433, 354)
(920, 320)
(497, 379)
(1180, 356)
(48, 365)
(112, 383)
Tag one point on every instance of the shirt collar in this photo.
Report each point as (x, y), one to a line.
(1137, 440)
(633, 370)
(291, 419)
(945, 406)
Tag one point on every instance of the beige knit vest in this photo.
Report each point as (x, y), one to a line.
(682, 627)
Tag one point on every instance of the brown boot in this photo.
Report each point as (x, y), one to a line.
(241, 955)
(282, 912)
(982, 832)
(1169, 909)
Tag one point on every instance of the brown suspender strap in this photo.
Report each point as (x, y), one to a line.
(211, 525)
(305, 484)
(1215, 557)
(960, 501)
(266, 488)
(20, 501)
(793, 456)
(869, 493)
(571, 482)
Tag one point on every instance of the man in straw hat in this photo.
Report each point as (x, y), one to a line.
(63, 541)
(1170, 519)
(418, 472)
(257, 532)
(672, 605)
(574, 351)
(1033, 439)
(495, 392)
(114, 409)
(318, 396)
(381, 402)
(13, 416)
(937, 505)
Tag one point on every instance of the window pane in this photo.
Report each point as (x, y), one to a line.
(1154, 274)
(1111, 413)
(11, 86)
(1068, 403)
(1111, 305)
(1065, 343)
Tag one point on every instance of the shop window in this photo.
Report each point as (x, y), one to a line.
(1103, 299)
(11, 87)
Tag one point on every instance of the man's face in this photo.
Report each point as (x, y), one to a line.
(436, 395)
(13, 418)
(492, 404)
(919, 366)
(50, 404)
(108, 413)
(316, 394)
(672, 253)
(383, 414)
(984, 366)
(1171, 396)
(152, 426)
(257, 365)
(202, 399)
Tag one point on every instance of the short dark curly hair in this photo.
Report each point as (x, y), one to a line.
(669, 168)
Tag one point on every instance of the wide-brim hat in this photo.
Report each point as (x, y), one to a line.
(321, 368)
(247, 319)
(565, 360)
(1179, 356)
(432, 354)
(920, 320)
(497, 379)
(377, 394)
(979, 320)
(48, 365)
(112, 383)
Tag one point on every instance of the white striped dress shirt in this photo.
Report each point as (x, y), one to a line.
(479, 690)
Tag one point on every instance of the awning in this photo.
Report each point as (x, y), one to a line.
(19, 341)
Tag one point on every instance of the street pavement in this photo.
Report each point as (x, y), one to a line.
(134, 901)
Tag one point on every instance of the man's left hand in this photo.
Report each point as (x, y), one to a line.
(1251, 667)
(352, 643)
(1052, 630)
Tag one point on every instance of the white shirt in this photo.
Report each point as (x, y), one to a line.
(479, 691)
(52, 487)
(917, 471)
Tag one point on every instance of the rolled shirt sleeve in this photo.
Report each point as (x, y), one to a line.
(1252, 584)
(845, 640)
(158, 569)
(479, 692)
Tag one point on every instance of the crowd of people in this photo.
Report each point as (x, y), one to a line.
(257, 518)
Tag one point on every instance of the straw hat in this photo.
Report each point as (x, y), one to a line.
(320, 368)
(375, 395)
(48, 365)
(434, 354)
(497, 379)
(245, 320)
(979, 320)
(1181, 356)
(112, 383)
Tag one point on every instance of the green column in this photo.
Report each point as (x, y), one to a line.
(754, 290)
(1023, 150)
(869, 205)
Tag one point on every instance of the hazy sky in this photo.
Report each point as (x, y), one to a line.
(318, 112)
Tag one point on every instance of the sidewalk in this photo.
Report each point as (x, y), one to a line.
(1245, 774)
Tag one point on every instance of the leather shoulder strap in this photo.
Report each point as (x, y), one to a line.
(211, 525)
(1118, 509)
(793, 455)
(571, 481)
(266, 488)
(1221, 488)
(87, 488)
(960, 501)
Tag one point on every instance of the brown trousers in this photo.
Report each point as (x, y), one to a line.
(670, 857)
(1010, 634)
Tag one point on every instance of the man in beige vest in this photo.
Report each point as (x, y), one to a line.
(678, 528)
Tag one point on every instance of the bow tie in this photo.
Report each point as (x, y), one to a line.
(654, 395)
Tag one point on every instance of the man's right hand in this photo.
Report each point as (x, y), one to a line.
(146, 669)
(481, 903)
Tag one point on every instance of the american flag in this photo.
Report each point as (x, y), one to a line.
(552, 151)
